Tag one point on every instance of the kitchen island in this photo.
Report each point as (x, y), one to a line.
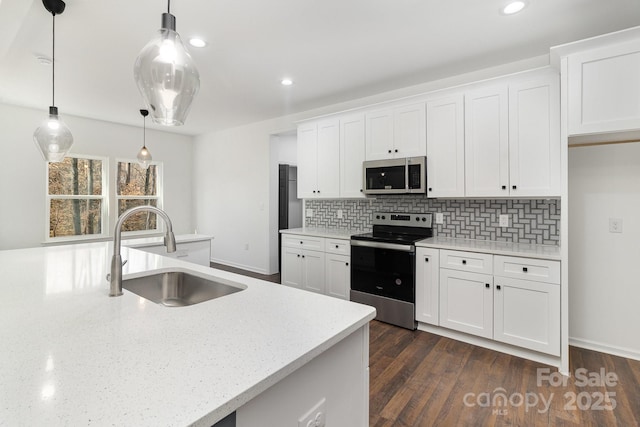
(72, 355)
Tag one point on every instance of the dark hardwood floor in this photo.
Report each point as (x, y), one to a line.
(421, 379)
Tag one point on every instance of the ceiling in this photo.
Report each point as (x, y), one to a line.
(334, 50)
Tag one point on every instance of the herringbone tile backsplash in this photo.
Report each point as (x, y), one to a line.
(530, 221)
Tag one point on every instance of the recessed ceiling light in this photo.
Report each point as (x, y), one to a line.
(513, 7)
(197, 42)
(286, 82)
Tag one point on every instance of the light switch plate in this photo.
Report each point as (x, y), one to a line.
(504, 220)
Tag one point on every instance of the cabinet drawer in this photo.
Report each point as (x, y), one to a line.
(338, 246)
(304, 242)
(539, 270)
(467, 261)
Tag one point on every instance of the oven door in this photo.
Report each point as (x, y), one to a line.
(383, 269)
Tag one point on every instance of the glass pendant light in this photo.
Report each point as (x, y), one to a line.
(166, 75)
(144, 155)
(53, 138)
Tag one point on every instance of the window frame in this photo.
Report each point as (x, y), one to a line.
(159, 197)
(104, 197)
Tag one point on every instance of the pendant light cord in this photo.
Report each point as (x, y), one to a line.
(144, 131)
(168, 6)
(53, 63)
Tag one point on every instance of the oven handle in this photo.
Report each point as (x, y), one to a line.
(383, 245)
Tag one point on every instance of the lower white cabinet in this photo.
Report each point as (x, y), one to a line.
(466, 302)
(427, 292)
(197, 252)
(527, 314)
(337, 275)
(303, 269)
(316, 264)
(515, 300)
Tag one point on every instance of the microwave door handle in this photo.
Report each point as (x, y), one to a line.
(406, 174)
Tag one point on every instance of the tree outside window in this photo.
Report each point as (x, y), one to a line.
(136, 186)
(76, 197)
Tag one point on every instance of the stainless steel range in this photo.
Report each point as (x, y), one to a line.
(383, 265)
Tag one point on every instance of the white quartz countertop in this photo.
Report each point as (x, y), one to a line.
(159, 240)
(330, 233)
(489, 246)
(73, 356)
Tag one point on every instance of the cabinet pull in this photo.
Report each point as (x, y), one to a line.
(389, 150)
(525, 269)
(337, 246)
(298, 255)
(504, 187)
(486, 285)
(430, 189)
(498, 287)
(464, 262)
(314, 191)
(347, 264)
(396, 150)
(514, 187)
(426, 260)
(300, 241)
(302, 256)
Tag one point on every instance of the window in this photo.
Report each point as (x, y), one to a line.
(136, 186)
(77, 197)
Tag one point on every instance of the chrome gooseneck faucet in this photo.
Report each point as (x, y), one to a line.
(115, 278)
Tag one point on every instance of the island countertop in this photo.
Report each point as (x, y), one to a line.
(74, 356)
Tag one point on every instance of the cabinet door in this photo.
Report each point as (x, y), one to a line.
(445, 147)
(313, 271)
(379, 135)
(352, 149)
(328, 160)
(427, 285)
(604, 89)
(487, 142)
(338, 276)
(534, 137)
(291, 274)
(409, 131)
(527, 314)
(466, 302)
(307, 160)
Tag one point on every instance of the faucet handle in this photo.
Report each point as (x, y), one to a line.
(109, 275)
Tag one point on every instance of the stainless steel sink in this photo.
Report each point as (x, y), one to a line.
(178, 288)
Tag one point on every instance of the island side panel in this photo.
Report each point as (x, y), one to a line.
(340, 375)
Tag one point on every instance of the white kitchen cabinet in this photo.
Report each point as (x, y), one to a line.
(487, 142)
(352, 151)
(466, 302)
(534, 137)
(317, 264)
(337, 275)
(197, 252)
(319, 159)
(604, 89)
(396, 132)
(445, 146)
(427, 285)
(527, 314)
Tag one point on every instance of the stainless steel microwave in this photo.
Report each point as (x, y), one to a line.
(395, 176)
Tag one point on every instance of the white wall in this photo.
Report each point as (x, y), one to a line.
(604, 283)
(232, 191)
(23, 180)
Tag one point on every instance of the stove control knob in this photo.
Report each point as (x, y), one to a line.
(417, 219)
(377, 216)
(384, 217)
(424, 219)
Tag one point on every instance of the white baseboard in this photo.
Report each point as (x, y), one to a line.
(241, 266)
(605, 348)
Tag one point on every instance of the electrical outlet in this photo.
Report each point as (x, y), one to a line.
(439, 218)
(309, 213)
(504, 220)
(339, 213)
(316, 417)
(615, 225)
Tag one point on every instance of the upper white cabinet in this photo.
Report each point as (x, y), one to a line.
(534, 136)
(487, 142)
(319, 159)
(352, 148)
(512, 138)
(445, 146)
(396, 132)
(604, 89)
